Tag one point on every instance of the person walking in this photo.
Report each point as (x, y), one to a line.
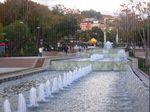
(66, 49)
(40, 51)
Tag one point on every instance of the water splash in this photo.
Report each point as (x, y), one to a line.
(64, 80)
(7, 106)
(60, 83)
(55, 88)
(48, 89)
(33, 98)
(21, 103)
(108, 45)
(41, 93)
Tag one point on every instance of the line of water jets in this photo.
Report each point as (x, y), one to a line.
(45, 90)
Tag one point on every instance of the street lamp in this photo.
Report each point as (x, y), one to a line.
(21, 22)
(38, 27)
(41, 42)
(38, 36)
(78, 36)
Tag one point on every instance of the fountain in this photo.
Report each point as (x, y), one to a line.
(108, 45)
(70, 77)
(33, 98)
(55, 87)
(41, 93)
(68, 80)
(21, 103)
(122, 54)
(100, 59)
(64, 80)
(112, 85)
(7, 106)
(48, 89)
(96, 57)
(60, 84)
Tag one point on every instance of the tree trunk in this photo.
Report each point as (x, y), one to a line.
(147, 59)
(146, 47)
(134, 44)
(147, 50)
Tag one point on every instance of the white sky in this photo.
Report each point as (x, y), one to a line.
(104, 6)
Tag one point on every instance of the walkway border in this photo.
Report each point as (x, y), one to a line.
(140, 74)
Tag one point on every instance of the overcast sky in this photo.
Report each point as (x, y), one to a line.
(104, 6)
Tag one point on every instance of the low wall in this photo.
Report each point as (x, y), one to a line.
(96, 65)
(53, 53)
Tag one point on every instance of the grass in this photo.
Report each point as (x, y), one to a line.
(143, 67)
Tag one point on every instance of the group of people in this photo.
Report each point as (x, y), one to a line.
(64, 47)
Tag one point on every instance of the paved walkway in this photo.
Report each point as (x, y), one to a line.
(142, 76)
(140, 53)
(5, 70)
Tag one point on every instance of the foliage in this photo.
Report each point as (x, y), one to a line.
(66, 27)
(111, 35)
(58, 9)
(97, 33)
(26, 23)
(1, 36)
(17, 34)
(86, 35)
(16, 29)
(141, 65)
(91, 14)
(126, 24)
(136, 20)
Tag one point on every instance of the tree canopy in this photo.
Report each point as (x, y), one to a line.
(32, 22)
(91, 14)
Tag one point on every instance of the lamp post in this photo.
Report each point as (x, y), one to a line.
(38, 36)
(117, 37)
(21, 22)
(105, 36)
(77, 36)
(41, 42)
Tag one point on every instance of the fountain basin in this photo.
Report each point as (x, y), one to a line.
(96, 65)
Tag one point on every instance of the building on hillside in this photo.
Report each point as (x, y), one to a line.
(89, 23)
(107, 22)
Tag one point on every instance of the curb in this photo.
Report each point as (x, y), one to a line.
(140, 74)
(14, 76)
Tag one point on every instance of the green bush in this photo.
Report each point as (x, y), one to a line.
(130, 53)
(142, 66)
(141, 63)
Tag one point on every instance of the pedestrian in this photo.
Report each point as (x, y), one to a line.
(66, 49)
(40, 51)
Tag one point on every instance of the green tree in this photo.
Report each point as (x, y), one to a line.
(1, 35)
(43, 23)
(91, 14)
(97, 33)
(17, 34)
